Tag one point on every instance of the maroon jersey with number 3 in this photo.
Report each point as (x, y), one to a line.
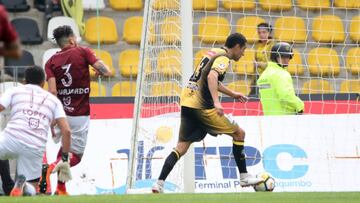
(70, 67)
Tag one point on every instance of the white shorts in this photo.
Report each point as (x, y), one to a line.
(79, 126)
(28, 159)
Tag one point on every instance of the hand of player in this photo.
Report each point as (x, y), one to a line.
(240, 97)
(219, 109)
(63, 169)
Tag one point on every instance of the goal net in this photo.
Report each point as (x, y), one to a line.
(325, 70)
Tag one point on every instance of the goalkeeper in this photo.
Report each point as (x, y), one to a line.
(275, 84)
(202, 112)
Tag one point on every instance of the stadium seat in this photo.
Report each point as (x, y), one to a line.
(313, 5)
(275, 5)
(97, 90)
(15, 5)
(199, 54)
(355, 29)
(165, 89)
(101, 29)
(47, 54)
(213, 29)
(126, 5)
(208, 5)
(328, 29)
(166, 4)
(169, 62)
(323, 62)
(241, 86)
(16, 67)
(171, 30)
(350, 86)
(353, 60)
(28, 30)
(8, 85)
(40, 5)
(105, 56)
(245, 66)
(59, 21)
(124, 89)
(46, 86)
(347, 3)
(133, 30)
(296, 66)
(128, 63)
(248, 27)
(93, 4)
(239, 4)
(290, 29)
(317, 87)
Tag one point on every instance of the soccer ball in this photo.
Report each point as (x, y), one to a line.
(268, 185)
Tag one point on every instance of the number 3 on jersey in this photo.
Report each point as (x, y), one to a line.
(67, 82)
(197, 74)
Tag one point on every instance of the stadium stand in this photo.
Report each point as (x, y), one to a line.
(165, 89)
(213, 29)
(239, 5)
(313, 5)
(349, 4)
(170, 30)
(93, 4)
(353, 60)
(28, 30)
(328, 29)
(168, 63)
(130, 5)
(317, 87)
(16, 67)
(41, 5)
(246, 64)
(128, 63)
(323, 62)
(275, 5)
(245, 25)
(295, 65)
(15, 5)
(350, 86)
(97, 90)
(208, 5)
(108, 33)
(165, 4)
(242, 86)
(124, 89)
(105, 56)
(132, 29)
(355, 29)
(290, 29)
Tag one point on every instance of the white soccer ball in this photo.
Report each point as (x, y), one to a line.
(268, 185)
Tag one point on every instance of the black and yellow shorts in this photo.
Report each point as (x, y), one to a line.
(196, 123)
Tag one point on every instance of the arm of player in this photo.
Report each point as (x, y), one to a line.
(12, 50)
(102, 68)
(52, 86)
(236, 95)
(213, 88)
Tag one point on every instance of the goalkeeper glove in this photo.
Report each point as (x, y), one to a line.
(63, 168)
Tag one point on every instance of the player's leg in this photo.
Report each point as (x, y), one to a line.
(7, 151)
(7, 181)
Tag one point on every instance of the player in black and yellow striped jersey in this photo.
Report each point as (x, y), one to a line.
(202, 113)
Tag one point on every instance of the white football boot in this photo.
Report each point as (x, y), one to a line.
(247, 179)
(158, 187)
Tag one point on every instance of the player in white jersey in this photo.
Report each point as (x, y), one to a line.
(32, 110)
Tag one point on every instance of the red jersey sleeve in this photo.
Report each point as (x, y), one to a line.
(90, 56)
(7, 31)
(48, 70)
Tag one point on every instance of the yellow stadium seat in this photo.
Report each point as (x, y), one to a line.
(350, 86)
(323, 62)
(347, 3)
(128, 62)
(296, 66)
(46, 86)
(353, 60)
(171, 30)
(208, 5)
(97, 90)
(313, 5)
(328, 28)
(290, 29)
(198, 56)
(166, 4)
(101, 29)
(245, 65)
(166, 89)
(106, 58)
(124, 89)
(355, 29)
(131, 5)
(169, 62)
(239, 4)
(317, 87)
(241, 86)
(276, 5)
(248, 27)
(213, 29)
(133, 30)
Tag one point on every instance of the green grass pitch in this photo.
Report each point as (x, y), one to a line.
(286, 197)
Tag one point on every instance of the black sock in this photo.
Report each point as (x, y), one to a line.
(169, 164)
(239, 155)
(7, 181)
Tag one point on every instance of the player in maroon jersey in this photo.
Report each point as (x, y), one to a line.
(69, 78)
(10, 47)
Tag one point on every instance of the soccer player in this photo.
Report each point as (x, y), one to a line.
(69, 78)
(202, 112)
(24, 137)
(276, 89)
(10, 48)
